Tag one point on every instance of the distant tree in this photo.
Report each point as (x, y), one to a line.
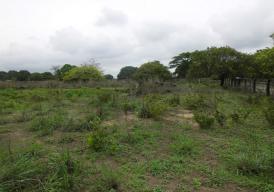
(154, 71)
(12, 75)
(23, 75)
(47, 76)
(181, 64)
(108, 76)
(59, 72)
(3, 76)
(215, 62)
(36, 77)
(84, 73)
(127, 72)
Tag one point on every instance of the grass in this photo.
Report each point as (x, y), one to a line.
(90, 139)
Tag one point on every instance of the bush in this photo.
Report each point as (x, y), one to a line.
(194, 102)
(205, 121)
(153, 106)
(174, 100)
(102, 140)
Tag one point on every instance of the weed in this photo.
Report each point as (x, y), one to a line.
(47, 124)
(205, 121)
(183, 146)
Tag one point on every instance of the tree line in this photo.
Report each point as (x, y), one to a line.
(213, 62)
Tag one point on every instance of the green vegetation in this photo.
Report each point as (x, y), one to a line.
(201, 137)
(83, 73)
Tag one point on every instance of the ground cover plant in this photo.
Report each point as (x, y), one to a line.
(201, 138)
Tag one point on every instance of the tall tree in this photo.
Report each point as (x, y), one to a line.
(154, 71)
(23, 75)
(127, 72)
(181, 64)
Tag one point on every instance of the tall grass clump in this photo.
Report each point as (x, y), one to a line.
(45, 125)
(153, 106)
(31, 170)
(205, 121)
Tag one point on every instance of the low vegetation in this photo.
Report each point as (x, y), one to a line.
(201, 138)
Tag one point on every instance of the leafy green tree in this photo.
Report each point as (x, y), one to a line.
(265, 61)
(36, 77)
(154, 71)
(127, 72)
(108, 76)
(47, 76)
(12, 75)
(60, 72)
(181, 64)
(23, 75)
(84, 73)
(41, 76)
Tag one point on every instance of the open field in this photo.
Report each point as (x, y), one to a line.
(101, 139)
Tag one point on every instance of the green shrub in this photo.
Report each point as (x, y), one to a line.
(205, 121)
(102, 139)
(194, 101)
(174, 100)
(153, 107)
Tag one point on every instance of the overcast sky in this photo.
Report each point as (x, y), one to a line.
(38, 34)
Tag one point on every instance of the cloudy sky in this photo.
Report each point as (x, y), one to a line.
(38, 34)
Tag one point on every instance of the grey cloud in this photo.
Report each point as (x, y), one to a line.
(245, 28)
(112, 17)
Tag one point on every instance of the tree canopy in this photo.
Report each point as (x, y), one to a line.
(83, 73)
(127, 72)
(154, 71)
(60, 72)
(219, 63)
(108, 76)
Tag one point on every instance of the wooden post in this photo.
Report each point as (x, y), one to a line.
(254, 86)
(245, 83)
(268, 88)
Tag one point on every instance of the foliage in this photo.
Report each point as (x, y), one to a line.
(61, 72)
(127, 72)
(101, 140)
(264, 59)
(154, 71)
(47, 124)
(204, 120)
(83, 73)
(153, 107)
(29, 170)
(108, 76)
